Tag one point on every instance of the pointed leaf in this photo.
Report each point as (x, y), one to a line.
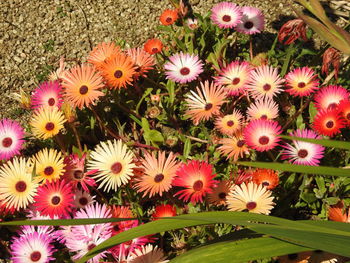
(324, 142)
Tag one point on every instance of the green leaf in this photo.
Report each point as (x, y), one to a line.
(155, 136)
(312, 111)
(145, 94)
(171, 90)
(324, 142)
(187, 147)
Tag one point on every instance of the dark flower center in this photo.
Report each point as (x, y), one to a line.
(118, 74)
(330, 124)
(263, 117)
(51, 101)
(158, 178)
(116, 228)
(332, 106)
(208, 106)
(116, 168)
(7, 142)
(226, 18)
(302, 153)
(35, 256)
(83, 201)
(251, 205)
(301, 85)
(48, 170)
(267, 87)
(348, 116)
(263, 140)
(91, 246)
(248, 24)
(266, 183)
(240, 143)
(21, 186)
(83, 90)
(185, 71)
(55, 200)
(198, 185)
(78, 174)
(222, 195)
(154, 50)
(230, 123)
(168, 19)
(292, 256)
(235, 81)
(49, 126)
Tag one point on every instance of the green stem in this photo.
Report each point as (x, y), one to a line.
(290, 51)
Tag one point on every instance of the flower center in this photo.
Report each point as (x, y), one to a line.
(302, 153)
(116, 228)
(185, 71)
(230, 123)
(263, 117)
(332, 106)
(48, 170)
(292, 256)
(330, 124)
(7, 142)
(208, 106)
(348, 116)
(266, 183)
(154, 50)
(21, 186)
(51, 101)
(83, 201)
(248, 24)
(301, 85)
(226, 18)
(267, 87)
(263, 140)
(158, 178)
(222, 195)
(35, 256)
(251, 205)
(84, 89)
(55, 200)
(118, 74)
(78, 174)
(168, 19)
(50, 126)
(235, 81)
(198, 185)
(240, 143)
(116, 168)
(91, 246)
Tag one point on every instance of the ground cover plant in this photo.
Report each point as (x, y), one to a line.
(212, 142)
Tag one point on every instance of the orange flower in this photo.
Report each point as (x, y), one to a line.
(266, 177)
(234, 147)
(102, 52)
(168, 17)
(153, 46)
(218, 196)
(335, 213)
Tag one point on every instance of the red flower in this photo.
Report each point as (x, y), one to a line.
(331, 57)
(328, 122)
(292, 30)
(168, 17)
(164, 210)
(266, 177)
(344, 109)
(153, 46)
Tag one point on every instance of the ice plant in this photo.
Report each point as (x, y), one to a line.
(11, 138)
(82, 199)
(229, 124)
(264, 108)
(344, 109)
(252, 21)
(82, 86)
(234, 147)
(328, 122)
(102, 52)
(164, 210)
(153, 46)
(143, 61)
(220, 192)
(330, 96)
(291, 31)
(47, 94)
(122, 212)
(147, 253)
(226, 14)
(301, 82)
(114, 162)
(197, 179)
(48, 165)
(331, 57)
(250, 197)
(338, 213)
(168, 17)
(303, 153)
(183, 67)
(266, 177)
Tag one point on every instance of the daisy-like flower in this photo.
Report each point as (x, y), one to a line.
(344, 109)
(266, 177)
(264, 82)
(11, 138)
(234, 147)
(47, 122)
(250, 197)
(329, 97)
(301, 82)
(102, 52)
(153, 46)
(243, 176)
(48, 165)
(168, 17)
(264, 108)
(226, 14)
(192, 23)
(220, 192)
(303, 153)
(183, 67)
(17, 187)
(118, 71)
(328, 122)
(262, 135)
(55, 199)
(158, 175)
(338, 213)
(32, 248)
(82, 199)
(122, 212)
(82, 86)
(47, 94)
(197, 179)
(164, 210)
(114, 162)
(206, 102)
(229, 124)
(147, 254)
(234, 77)
(252, 21)
(143, 61)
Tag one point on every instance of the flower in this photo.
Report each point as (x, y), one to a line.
(252, 21)
(243, 176)
(266, 177)
(153, 46)
(192, 23)
(304, 153)
(183, 67)
(229, 124)
(33, 247)
(331, 57)
(262, 135)
(302, 257)
(47, 94)
(234, 77)
(226, 14)
(159, 174)
(328, 122)
(143, 61)
(47, 122)
(48, 165)
(206, 102)
(164, 210)
(338, 213)
(264, 108)
(301, 82)
(54, 199)
(330, 96)
(264, 82)
(82, 86)
(168, 17)
(11, 138)
(59, 73)
(234, 147)
(148, 254)
(220, 192)
(22, 98)
(197, 179)
(17, 187)
(251, 197)
(122, 212)
(82, 199)
(114, 162)
(292, 29)
(344, 109)
(118, 71)
(102, 52)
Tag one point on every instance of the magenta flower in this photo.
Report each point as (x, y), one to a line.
(11, 138)
(252, 21)
(47, 94)
(226, 14)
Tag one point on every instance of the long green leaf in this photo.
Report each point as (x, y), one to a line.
(306, 169)
(324, 142)
(63, 222)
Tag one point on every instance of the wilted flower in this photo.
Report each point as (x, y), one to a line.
(192, 23)
(292, 30)
(23, 98)
(331, 57)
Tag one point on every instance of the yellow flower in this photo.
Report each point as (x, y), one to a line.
(48, 165)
